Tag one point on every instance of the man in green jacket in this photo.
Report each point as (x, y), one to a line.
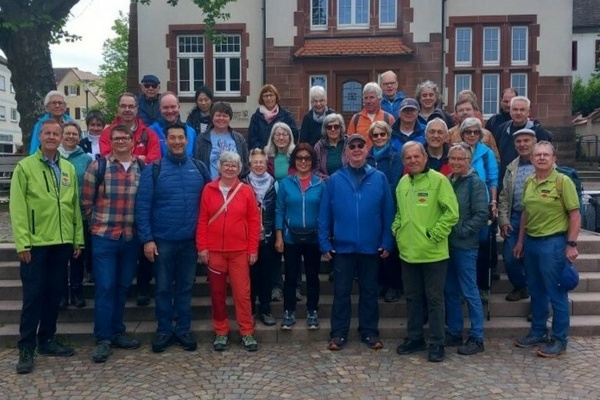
(47, 229)
(427, 211)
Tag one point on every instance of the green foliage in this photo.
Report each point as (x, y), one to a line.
(586, 97)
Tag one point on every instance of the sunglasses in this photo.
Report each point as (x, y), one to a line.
(378, 135)
(353, 146)
(150, 85)
(333, 127)
(303, 158)
(472, 132)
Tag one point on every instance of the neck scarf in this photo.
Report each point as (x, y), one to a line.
(64, 152)
(269, 115)
(260, 184)
(319, 118)
(377, 152)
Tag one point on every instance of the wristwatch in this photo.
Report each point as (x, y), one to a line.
(572, 243)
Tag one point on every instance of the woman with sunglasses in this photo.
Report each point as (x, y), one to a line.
(330, 149)
(384, 157)
(296, 213)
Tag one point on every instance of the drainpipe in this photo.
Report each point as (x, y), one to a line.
(443, 30)
(264, 42)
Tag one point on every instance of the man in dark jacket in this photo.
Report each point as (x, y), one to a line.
(503, 116)
(149, 100)
(166, 213)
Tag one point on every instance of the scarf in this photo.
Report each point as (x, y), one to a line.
(64, 152)
(378, 152)
(260, 184)
(319, 118)
(269, 115)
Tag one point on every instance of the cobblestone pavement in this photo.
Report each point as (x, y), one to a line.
(309, 371)
(5, 229)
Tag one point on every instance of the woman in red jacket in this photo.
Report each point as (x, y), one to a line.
(229, 211)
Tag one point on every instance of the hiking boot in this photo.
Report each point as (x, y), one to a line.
(161, 342)
(471, 346)
(392, 295)
(289, 319)
(299, 296)
(436, 353)
(452, 340)
(77, 299)
(552, 349)
(143, 298)
(530, 341)
(485, 296)
(63, 304)
(268, 319)
(312, 319)
(26, 361)
(249, 343)
(186, 341)
(409, 346)
(122, 341)
(337, 343)
(102, 351)
(55, 349)
(276, 294)
(221, 343)
(373, 342)
(518, 294)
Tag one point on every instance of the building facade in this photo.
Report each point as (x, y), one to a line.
(78, 87)
(10, 133)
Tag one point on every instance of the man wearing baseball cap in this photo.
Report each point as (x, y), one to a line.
(149, 100)
(407, 127)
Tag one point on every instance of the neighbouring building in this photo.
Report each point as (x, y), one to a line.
(81, 95)
(586, 38)
(10, 132)
(482, 45)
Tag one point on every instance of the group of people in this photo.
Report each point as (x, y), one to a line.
(396, 200)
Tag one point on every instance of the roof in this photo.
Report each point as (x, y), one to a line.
(375, 46)
(60, 73)
(586, 13)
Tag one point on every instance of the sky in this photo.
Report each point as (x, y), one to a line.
(92, 20)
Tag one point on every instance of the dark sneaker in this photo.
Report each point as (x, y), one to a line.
(56, 349)
(312, 320)
(221, 343)
(161, 342)
(337, 343)
(299, 296)
(143, 298)
(392, 295)
(268, 319)
(102, 351)
(471, 346)
(436, 353)
(187, 341)
(122, 341)
(289, 319)
(276, 294)
(63, 304)
(452, 340)
(249, 343)
(552, 349)
(26, 361)
(518, 294)
(373, 342)
(530, 341)
(77, 299)
(529, 317)
(485, 296)
(409, 346)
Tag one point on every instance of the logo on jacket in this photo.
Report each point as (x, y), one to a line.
(422, 197)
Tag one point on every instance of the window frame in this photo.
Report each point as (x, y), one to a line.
(2, 83)
(523, 90)
(14, 115)
(514, 61)
(190, 57)
(456, 87)
(319, 27)
(495, 98)
(228, 56)
(457, 42)
(2, 113)
(394, 23)
(484, 50)
(353, 13)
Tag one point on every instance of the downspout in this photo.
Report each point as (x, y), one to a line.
(443, 62)
(264, 42)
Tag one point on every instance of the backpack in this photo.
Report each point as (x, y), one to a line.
(101, 171)
(355, 117)
(201, 168)
(562, 172)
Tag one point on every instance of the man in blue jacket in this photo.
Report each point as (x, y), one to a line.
(357, 210)
(166, 213)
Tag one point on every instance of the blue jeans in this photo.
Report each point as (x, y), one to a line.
(544, 261)
(345, 267)
(515, 267)
(114, 269)
(461, 282)
(175, 272)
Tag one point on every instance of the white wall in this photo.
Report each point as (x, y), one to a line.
(280, 21)
(427, 19)
(586, 48)
(7, 100)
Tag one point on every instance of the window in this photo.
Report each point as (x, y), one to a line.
(387, 13)
(519, 82)
(190, 63)
(318, 80)
(491, 46)
(71, 90)
(491, 94)
(228, 66)
(351, 97)
(318, 12)
(463, 46)
(353, 13)
(462, 82)
(2, 83)
(6, 138)
(2, 113)
(574, 55)
(519, 45)
(14, 115)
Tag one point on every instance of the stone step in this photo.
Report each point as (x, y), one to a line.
(392, 331)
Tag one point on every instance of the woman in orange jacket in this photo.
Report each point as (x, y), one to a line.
(229, 211)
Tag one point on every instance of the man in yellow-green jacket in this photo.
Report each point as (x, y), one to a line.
(427, 211)
(47, 229)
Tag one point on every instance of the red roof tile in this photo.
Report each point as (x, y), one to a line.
(353, 47)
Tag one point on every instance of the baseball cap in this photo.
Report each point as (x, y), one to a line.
(524, 131)
(354, 137)
(409, 103)
(151, 79)
(569, 277)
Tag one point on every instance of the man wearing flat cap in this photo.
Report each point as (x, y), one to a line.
(149, 100)
(357, 210)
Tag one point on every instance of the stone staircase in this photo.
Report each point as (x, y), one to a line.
(508, 319)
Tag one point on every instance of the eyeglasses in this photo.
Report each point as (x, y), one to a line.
(388, 83)
(230, 166)
(377, 135)
(121, 139)
(432, 132)
(150, 85)
(472, 132)
(75, 134)
(258, 162)
(57, 103)
(303, 158)
(333, 127)
(281, 134)
(457, 158)
(127, 106)
(353, 146)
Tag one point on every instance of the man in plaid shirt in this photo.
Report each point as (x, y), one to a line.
(108, 202)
